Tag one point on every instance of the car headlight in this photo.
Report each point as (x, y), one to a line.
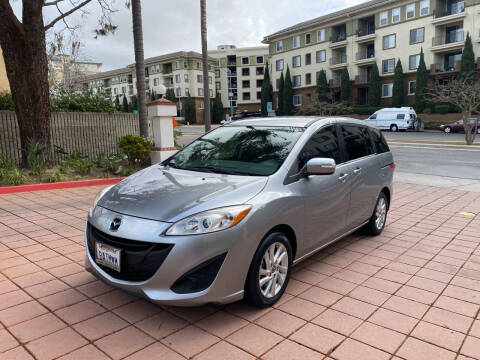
(209, 221)
(100, 195)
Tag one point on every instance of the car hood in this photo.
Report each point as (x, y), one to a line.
(167, 194)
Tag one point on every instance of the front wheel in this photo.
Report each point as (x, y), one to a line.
(448, 130)
(269, 271)
(393, 128)
(377, 222)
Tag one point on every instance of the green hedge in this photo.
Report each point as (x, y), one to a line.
(366, 110)
(441, 109)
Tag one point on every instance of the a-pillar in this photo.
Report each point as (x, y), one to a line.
(161, 112)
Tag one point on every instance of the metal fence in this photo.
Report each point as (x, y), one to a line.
(89, 133)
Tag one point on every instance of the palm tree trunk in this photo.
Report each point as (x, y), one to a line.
(140, 66)
(206, 90)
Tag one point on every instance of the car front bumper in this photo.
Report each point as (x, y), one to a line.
(183, 253)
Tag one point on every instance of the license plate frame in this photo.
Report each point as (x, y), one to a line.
(108, 256)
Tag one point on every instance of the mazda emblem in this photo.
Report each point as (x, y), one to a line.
(115, 224)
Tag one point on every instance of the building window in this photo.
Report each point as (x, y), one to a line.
(410, 11)
(259, 95)
(186, 77)
(246, 96)
(178, 78)
(260, 70)
(259, 59)
(321, 35)
(387, 90)
(321, 56)
(200, 92)
(279, 45)
(245, 60)
(218, 85)
(245, 84)
(308, 39)
(277, 82)
(177, 64)
(414, 61)
(297, 80)
(211, 92)
(245, 71)
(259, 83)
(124, 89)
(210, 80)
(395, 15)
(199, 65)
(185, 65)
(417, 35)
(279, 65)
(388, 65)
(297, 100)
(389, 41)
(384, 18)
(296, 41)
(156, 81)
(187, 92)
(424, 7)
(199, 78)
(201, 105)
(217, 72)
(308, 98)
(308, 59)
(297, 61)
(308, 79)
(178, 91)
(411, 87)
(115, 91)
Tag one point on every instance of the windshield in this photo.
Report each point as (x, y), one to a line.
(241, 150)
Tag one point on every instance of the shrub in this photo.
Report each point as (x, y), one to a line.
(442, 109)
(5, 163)
(111, 162)
(127, 172)
(136, 148)
(6, 102)
(54, 177)
(14, 177)
(36, 158)
(81, 102)
(365, 110)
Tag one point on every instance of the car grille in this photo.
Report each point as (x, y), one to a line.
(138, 260)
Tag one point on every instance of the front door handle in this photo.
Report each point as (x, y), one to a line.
(343, 177)
(357, 171)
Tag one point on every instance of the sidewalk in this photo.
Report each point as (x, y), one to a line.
(411, 293)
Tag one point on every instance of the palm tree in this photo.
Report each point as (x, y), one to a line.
(140, 66)
(206, 90)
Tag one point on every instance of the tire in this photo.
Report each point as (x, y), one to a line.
(447, 130)
(393, 128)
(375, 226)
(258, 294)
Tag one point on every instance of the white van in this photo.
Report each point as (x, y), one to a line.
(394, 119)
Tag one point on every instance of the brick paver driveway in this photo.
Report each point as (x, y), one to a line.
(411, 293)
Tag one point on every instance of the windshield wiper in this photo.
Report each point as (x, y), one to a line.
(217, 170)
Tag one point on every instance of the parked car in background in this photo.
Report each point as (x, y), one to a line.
(457, 126)
(394, 119)
(227, 217)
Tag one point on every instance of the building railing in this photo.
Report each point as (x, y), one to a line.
(363, 79)
(338, 37)
(443, 68)
(365, 54)
(455, 8)
(366, 31)
(337, 60)
(449, 38)
(336, 82)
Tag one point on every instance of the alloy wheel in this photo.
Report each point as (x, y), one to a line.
(380, 213)
(273, 270)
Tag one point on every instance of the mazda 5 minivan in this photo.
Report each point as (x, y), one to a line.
(227, 217)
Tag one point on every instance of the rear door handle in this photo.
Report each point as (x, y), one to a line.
(343, 177)
(357, 171)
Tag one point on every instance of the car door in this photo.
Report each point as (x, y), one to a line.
(326, 197)
(359, 154)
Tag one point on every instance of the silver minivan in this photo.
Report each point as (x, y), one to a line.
(228, 216)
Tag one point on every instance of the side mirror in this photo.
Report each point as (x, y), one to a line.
(321, 166)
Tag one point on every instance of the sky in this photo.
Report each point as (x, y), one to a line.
(170, 26)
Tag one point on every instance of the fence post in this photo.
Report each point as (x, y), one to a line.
(161, 112)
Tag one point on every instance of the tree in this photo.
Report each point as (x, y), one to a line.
(140, 66)
(467, 68)
(117, 103)
(465, 95)
(280, 98)
(345, 86)
(206, 90)
(421, 85)
(288, 94)
(397, 92)
(266, 93)
(217, 109)
(125, 104)
(374, 87)
(322, 86)
(170, 95)
(23, 43)
(153, 95)
(134, 102)
(190, 111)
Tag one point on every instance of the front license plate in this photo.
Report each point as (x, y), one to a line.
(107, 256)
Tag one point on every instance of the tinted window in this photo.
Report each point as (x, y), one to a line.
(400, 116)
(323, 144)
(368, 141)
(379, 141)
(355, 142)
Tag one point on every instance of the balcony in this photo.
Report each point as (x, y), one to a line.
(366, 30)
(335, 82)
(362, 79)
(365, 57)
(442, 68)
(448, 41)
(451, 13)
(338, 40)
(338, 62)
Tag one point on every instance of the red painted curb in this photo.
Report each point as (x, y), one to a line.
(58, 185)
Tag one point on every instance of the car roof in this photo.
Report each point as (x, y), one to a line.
(296, 121)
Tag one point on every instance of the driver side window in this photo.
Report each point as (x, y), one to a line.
(324, 144)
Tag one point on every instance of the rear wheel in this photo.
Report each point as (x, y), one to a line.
(447, 130)
(393, 128)
(269, 271)
(377, 222)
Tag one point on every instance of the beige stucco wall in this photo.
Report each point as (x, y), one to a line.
(4, 85)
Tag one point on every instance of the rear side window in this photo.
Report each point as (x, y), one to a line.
(324, 144)
(379, 141)
(355, 142)
(368, 141)
(400, 116)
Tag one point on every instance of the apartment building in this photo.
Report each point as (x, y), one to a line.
(63, 70)
(239, 76)
(377, 31)
(4, 84)
(181, 71)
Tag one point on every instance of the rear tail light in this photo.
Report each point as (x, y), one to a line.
(393, 166)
